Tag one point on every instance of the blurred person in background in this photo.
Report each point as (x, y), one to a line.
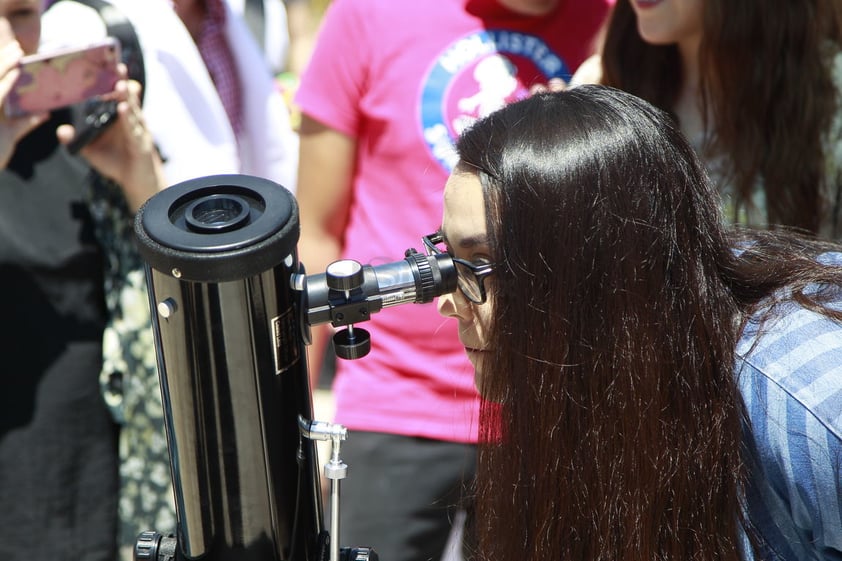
(62, 222)
(755, 86)
(212, 108)
(284, 30)
(209, 100)
(269, 25)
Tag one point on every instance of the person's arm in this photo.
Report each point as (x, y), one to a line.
(807, 453)
(301, 26)
(795, 450)
(325, 172)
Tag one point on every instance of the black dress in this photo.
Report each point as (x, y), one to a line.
(58, 457)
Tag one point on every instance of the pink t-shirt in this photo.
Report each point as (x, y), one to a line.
(404, 78)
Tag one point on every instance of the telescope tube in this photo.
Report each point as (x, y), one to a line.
(220, 252)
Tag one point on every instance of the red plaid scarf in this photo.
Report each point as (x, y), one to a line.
(216, 52)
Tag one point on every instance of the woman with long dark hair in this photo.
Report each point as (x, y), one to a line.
(657, 387)
(755, 85)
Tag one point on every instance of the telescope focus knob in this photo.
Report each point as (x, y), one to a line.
(344, 275)
(352, 343)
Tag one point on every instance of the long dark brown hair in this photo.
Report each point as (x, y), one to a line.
(767, 86)
(615, 426)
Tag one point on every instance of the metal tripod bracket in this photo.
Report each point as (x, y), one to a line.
(335, 469)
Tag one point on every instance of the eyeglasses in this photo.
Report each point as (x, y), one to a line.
(470, 277)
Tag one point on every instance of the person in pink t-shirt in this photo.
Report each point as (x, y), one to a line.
(388, 88)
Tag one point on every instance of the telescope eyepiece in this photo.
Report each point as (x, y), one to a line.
(217, 213)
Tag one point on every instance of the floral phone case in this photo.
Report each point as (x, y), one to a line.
(57, 79)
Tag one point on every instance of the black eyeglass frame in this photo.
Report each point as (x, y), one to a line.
(480, 272)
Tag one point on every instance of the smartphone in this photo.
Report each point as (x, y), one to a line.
(61, 78)
(90, 119)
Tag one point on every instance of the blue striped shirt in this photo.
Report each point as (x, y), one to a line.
(790, 375)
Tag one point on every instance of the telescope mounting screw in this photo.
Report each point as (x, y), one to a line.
(335, 468)
(167, 307)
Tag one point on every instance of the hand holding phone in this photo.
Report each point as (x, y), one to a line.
(90, 119)
(49, 81)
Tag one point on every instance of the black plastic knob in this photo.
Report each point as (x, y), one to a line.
(352, 345)
(344, 275)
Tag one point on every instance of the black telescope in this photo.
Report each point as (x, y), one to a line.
(232, 307)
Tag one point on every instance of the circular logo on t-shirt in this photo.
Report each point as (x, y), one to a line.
(476, 75)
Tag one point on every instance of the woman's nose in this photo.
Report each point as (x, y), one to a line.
(445, 305)
(454, 305)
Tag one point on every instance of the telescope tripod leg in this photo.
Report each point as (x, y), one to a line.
(335, 470)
